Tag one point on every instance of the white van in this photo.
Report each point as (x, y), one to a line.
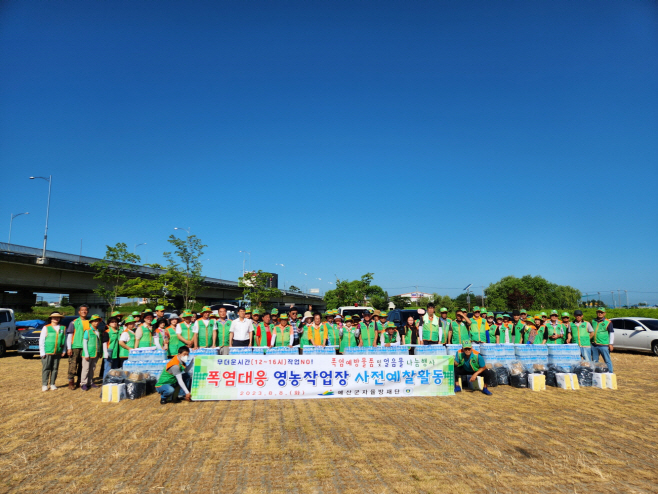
(8, 332)
(350, 310)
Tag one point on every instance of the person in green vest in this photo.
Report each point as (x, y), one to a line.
(429, 327)
(203, 330)
(160, 334)
(603, 338)
(91, 351)
(184, 329)
(479, 327)
(519, 330)
(383, 321)
(314, 333)
(74, 334)
(390, 335)
(127, 341)
(556, 333)
(175, 378)
(580, 332)
(274, 317)
(118, 315)
(110, 340)
(160, 312)
(348, 335)
(137, 316)
(52, 348)
(460, 325)
(501, 331)
(144, 331)
(368, 330)
(223, 327)
(263, 331)
(523, 315)
(333, 332)
(446, 325)
(172, 338)
(282, 333)
(471, 363)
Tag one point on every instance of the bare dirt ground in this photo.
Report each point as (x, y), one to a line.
(517, 440)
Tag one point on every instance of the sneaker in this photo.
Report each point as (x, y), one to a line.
(53, 387)
(94, 385)
(457, 388)
(487, 392)
(71, 385)
(44, 388)
(85, 387)
(163, 401)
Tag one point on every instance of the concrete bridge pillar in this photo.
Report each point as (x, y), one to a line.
(97, 305)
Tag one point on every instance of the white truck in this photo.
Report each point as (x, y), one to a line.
(350, 310)
(8, 331)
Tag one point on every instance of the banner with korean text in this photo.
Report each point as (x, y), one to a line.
(254, 377)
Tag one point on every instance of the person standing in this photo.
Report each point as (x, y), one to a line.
(368, 330)
(390, 335)
(332, 330)
(159, 312)
(282, 333)
(223, 326)
(535, 331)
(173, 342)
(51, 348)
(91, 350)
(348, 335)
(274, 317)
(241, 331)
(184, 329)
(294, 323)
(581, 332)
(603, 339)
(518, 328)
(110, 340)
(409, 332)
(471, 363)
(555, 331)
(479, 327)
(263, 332)
(144, 332)
(203, 330)
(430, 332)
(160, 334)
(460, 325)
(316, 332)
(500, 331)
(446, 325)
(127, 342)
(74, 335)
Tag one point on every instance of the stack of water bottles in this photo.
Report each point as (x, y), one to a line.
(259, 350)
(197, 352)
(452, 349)
(283, 350)
(506, 353)
(319, 350)
(564, 356)
(355, 350)
(240, 350)
(490, 353)
(529, 355)
(149, 360)
(430, 350)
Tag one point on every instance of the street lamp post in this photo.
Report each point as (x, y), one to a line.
(10, 223)
(244, 258)
(137, 245)
(185, 229)
(45, 235)
(284, 274)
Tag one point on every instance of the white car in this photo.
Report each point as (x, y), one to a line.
(8, 332)
(636, 333)
(351, 310)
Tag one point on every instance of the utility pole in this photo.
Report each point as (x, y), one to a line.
(612, 293)
(626, 292)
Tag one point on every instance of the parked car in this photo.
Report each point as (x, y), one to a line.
(400, 316)
(8, 332)
(636, 333)
(351, 310)
(28, 340)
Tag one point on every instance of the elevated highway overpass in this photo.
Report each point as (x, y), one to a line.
(23, 271)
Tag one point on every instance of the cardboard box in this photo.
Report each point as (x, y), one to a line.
(575, 385)
(563, 380)
(598, 381)
(477, 385)
(113, 393)
(537, 382)
(610, 380)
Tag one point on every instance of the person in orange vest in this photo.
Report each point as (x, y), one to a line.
(316, 332)
(175, 378)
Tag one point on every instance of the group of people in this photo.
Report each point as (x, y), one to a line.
(85, 343)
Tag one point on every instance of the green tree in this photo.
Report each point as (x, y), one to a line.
(65, 302)
(530, 292)
(184, 268)
(257, 288)
(294, 289)
(355, 292)
(114, 272)
(460, 301)
(400, 302)
(157, 290)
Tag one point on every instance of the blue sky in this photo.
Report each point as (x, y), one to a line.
(432, 143)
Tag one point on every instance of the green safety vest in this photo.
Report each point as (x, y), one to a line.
(166, 377)
(505, 333)
(205, 332)
(263, 334)
(147, 337)
(601, 335)
(282, 335)
(123, 353)
(557, 330)
(112, 345)
(174, 342)
(580, 334)
(479, 330)
(519, 332)
(430, 330)
(459, 333)
(223, 332)
(348, 339)
(447, 327)
(333, 334)
(93, 342)
(55, 339)
(368, 334)
(539, 337)
(391, 339)
(186, 331)
(79, 327)
(471, 364)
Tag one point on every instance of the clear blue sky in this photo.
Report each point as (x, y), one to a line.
(432, 143)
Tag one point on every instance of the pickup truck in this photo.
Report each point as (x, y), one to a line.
(8, 332)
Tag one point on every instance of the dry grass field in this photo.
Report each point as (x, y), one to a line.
(586, 441)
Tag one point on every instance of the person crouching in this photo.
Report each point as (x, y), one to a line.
(174, 381)
(470, 363)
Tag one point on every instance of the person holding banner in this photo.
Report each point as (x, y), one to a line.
(316, 332)
(348, 335)
(223, 327)
(460, 327)
(263, 333)
(205, 334)
(390, 335)
(471, 363)
(282, 334)
(174, 377)
(242, 330)
(430, 333)
(331, 328)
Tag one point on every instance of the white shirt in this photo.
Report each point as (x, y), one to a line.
(44, 332)
(209, 322)
(275, 334)
(241, 329)
(125, 337)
